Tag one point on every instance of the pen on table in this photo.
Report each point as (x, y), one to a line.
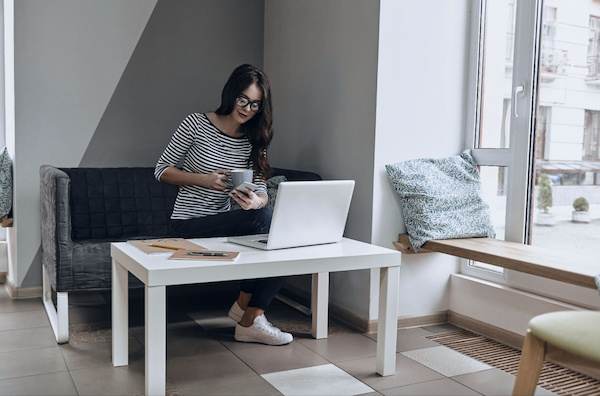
(208, 254)
(166, 246)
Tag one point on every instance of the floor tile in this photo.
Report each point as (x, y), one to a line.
(441, 387)
(26, 339)
(247, 386)
(341, 347)
(407, 372)
(24, 363)
(212, 319)
(218, 366)
(203, 357)
(319, 380)
(415, 338)
(267, 358)
(95, 354)
(224, 335)
(108, 380)
(189, 339)
(44, 384)
(23, 320)
(21, 305)
(409, 339)
(446, 361)
(493, 382)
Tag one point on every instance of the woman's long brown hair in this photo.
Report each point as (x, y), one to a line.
(259, 129)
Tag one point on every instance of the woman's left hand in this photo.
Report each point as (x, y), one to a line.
(248, 200)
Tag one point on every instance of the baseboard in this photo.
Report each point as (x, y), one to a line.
(492, 332)
(18, 293)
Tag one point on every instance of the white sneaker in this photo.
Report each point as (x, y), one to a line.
(236, 312)
(262, 331)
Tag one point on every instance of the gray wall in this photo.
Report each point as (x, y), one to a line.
(180, 64)
(105, 83)
(321, 58)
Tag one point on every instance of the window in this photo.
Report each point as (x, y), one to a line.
(542, 133)
(593, 61)
(591, 137)
(529, 118)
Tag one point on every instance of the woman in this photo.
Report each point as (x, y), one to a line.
(235, 136)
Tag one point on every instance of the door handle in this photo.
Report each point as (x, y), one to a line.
(516, 91)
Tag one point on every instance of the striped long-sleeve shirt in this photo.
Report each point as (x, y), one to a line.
(203, 148)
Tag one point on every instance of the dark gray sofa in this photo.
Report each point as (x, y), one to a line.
(83, 210)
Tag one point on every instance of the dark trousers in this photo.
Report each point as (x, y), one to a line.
(233, 223)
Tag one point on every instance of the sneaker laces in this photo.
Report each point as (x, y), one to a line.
(262, 320)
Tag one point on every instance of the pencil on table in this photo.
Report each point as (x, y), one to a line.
(166, 247)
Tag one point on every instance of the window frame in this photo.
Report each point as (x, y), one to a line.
(519, 155)
(521, 152)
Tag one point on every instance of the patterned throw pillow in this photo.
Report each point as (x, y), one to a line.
(272, 186)
(6, 183)
(441, 198)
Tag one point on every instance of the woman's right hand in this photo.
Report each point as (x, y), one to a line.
(217, 180)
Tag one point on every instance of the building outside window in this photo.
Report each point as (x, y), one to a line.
(594, 48)
(591, 138)
(563, 135)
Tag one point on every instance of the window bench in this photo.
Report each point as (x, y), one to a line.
(564, 266)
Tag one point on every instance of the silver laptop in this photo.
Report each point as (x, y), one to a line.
(305, 213)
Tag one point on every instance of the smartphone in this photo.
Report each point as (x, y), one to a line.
(246, 185)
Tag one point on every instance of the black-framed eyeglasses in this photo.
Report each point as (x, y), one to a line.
(243, 101)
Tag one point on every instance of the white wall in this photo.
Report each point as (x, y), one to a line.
(421, 99)
(512, 308)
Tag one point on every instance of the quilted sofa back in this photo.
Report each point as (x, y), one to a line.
(118, 203)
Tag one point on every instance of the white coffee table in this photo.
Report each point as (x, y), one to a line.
(157, 272)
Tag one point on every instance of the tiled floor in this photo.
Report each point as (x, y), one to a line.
(203, 358)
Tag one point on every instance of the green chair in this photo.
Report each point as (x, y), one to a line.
(571, 337)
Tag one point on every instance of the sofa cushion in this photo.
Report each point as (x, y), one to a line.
(118, 203)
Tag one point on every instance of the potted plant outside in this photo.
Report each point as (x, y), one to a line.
(581, 214)
(545, 201)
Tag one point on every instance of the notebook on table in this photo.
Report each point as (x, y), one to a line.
(305, 213)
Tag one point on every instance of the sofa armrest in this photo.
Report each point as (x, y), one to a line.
(57, 246)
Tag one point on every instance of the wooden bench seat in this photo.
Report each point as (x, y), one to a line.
(565, 266)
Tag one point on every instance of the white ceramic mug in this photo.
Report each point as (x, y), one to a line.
(238, 176)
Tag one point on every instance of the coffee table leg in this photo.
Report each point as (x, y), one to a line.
(156, 343)
(320, 304)
(387, 327)
(120, 319)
